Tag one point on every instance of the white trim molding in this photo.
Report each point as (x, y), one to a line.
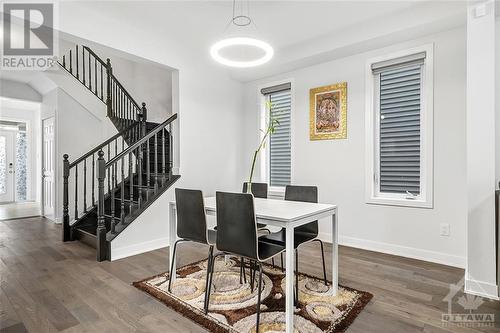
(399, 250)
(481, 288)
(425, 198)
(131, 250)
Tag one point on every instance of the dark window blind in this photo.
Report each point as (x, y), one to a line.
(399, 130)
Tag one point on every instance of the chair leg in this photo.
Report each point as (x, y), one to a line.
(172, 266)
(241, 270)
(281, 257)
(210, 255)
(272, 261)
(207, 296)
(252, 275)
(296, 277)
(259, 298)
(323, 259)
(244, 270)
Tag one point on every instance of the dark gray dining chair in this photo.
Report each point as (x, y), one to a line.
(259, 190)
(303, 234)
(192, 225)
(237, 235)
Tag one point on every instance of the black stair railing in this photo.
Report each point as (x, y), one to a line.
(80, 176)
(149, 167)
(131, 168)
(89, 69)
(97, 76)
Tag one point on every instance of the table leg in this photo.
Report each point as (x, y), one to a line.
(173, 238)
(289, 279)
(335, 252)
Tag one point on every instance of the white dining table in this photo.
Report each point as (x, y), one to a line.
(283, 214)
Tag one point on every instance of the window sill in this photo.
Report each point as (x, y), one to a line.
(414, 203)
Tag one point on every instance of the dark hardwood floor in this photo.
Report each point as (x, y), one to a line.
(51, 286)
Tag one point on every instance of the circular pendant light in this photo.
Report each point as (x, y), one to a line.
(240, 38)
(216, 49)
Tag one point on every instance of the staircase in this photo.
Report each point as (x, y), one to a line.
(107, 188)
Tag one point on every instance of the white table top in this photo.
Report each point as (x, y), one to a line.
(281, 210)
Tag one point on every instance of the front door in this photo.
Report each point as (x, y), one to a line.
(7, 167)
(48, 167)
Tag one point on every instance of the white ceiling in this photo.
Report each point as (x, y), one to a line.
(35, 79)
(302, 32)
(282, 23)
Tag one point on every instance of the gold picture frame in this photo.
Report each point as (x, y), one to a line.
(328, 112)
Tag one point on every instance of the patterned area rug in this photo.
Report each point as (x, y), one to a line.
(233, 305)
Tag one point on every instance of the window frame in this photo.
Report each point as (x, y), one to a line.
(372, 122)
(263, 116)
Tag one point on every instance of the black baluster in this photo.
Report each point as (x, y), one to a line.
(164, 133)
(170, 151)
(77, 68)
(66, 226)
(95, 76)
(156, 161)
(70, 62)
(93, 180)
(109, 157)
(131, 177)
(83, 64)
(113, 199)
(76, 192)
(116, 153)
(101, 224)
(102, 95)
(64, 61)
(109, 72)
(139, 174)
(122, 195)
(148, 164)
(85, 185)
(90, 72)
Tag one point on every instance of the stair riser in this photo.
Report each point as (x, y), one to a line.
(86, 238)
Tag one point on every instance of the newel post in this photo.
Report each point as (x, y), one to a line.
(66, 226)
(109, 72)
(101, 224)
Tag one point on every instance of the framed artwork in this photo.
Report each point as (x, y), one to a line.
(328, 112)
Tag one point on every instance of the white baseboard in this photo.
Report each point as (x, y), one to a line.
(403, 251)
(131, 250)
(481, 288)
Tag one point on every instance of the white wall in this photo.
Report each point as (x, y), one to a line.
(338, 166)
(209, 112)
(497, 98)
(73, 124)
(481, 150)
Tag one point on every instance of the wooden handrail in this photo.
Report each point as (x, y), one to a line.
(89, 50)
(141, 141)
(105, 143)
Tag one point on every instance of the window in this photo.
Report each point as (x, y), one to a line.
(279, 146)
(400, 129)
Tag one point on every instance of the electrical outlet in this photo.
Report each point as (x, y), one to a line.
(444, 229)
